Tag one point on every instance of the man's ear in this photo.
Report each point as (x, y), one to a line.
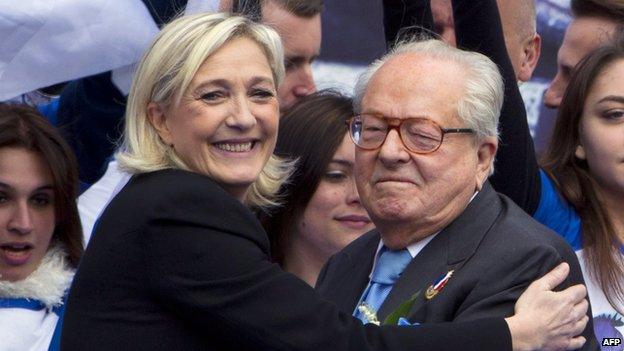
(486, 151)
(531, 49)
(157, 118)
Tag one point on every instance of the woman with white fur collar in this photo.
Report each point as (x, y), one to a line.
(40, 235)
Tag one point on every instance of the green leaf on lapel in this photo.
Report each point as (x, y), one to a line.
(402, 310)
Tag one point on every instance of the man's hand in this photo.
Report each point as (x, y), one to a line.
(547, 320)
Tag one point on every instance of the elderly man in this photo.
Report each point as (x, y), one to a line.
(447, 247)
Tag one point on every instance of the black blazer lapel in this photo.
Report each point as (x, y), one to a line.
(449, 250)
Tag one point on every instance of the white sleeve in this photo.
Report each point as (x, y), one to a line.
(92, 202)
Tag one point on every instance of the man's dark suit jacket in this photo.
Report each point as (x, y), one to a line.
(176, 263)
(495, 249)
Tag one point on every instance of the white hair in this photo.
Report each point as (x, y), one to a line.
(480, 106)
(165, 72)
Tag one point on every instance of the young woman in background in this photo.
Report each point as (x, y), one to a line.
(582, 181)
(40, 235)
(321, 211)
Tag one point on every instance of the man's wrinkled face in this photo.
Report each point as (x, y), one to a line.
(410, 195)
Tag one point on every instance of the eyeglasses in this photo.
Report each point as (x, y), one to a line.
(419, 135)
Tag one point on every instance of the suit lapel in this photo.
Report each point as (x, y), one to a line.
(449, 250)
(356, 266)
(420, 271)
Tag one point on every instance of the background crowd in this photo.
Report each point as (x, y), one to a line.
(197, 206)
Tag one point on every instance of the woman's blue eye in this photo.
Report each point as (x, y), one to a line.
(211, 96)
(263, 93)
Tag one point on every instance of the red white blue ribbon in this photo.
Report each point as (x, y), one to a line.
(438, 285)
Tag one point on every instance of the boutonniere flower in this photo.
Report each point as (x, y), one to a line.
(368, 312)
(396, 317)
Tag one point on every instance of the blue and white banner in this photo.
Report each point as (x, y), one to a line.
(44, 42)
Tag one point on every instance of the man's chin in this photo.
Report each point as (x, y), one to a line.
(394, 208)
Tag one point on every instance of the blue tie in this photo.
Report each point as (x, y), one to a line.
(389, 266)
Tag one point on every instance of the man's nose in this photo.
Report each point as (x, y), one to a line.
(306, 85)
(554, 94)
(393, 150)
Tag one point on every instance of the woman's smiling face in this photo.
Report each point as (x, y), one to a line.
(225, 126)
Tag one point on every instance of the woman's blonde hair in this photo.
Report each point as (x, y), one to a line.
(164, 74)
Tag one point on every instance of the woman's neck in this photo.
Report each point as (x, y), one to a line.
(614, 206)
(302, 260)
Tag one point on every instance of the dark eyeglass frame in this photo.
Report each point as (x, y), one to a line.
(397, 123)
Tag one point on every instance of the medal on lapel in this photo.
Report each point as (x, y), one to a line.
(438, 285)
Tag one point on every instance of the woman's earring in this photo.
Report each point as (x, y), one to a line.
(579, 152)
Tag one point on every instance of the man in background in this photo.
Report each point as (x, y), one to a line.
(519, 29)
(299, 25)
(595, 22)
